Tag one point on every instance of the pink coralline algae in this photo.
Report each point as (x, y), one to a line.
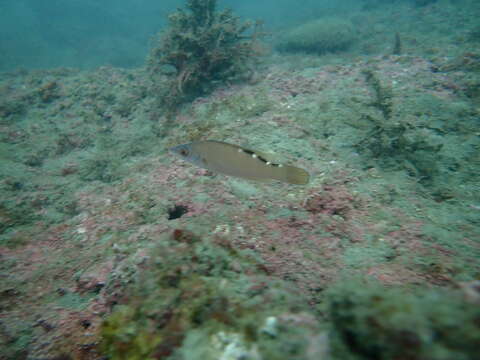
(330, 200)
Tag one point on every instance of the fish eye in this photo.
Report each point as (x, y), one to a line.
(184, 152)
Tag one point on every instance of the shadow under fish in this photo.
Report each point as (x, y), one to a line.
(237, 161)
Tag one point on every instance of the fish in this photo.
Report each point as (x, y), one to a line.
(234, 160)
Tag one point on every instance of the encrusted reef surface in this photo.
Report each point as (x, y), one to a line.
(111, 248)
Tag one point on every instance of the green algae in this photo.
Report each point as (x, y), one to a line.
(13, 239)
(241, 105)
(204, 297)
(196, 302)
(201, 47)
(416, 134)
(447, 206)
(371, 321)
(383, 94)
(319, 37)
(15, 340)
(124, 327)
(74, 301)
(368, 255)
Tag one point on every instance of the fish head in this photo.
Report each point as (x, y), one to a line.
(188, 153)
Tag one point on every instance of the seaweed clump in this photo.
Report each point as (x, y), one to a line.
(397, 142)
(329, 35)
(206, 300)
(374, 322)
(201, 48)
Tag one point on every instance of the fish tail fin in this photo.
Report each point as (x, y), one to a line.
(295, 175)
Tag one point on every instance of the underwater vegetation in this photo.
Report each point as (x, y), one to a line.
(112, 249)
(202, 299)
(201, 48)
(328, 35)
(373, 322)
(396, 141)
(191, 295)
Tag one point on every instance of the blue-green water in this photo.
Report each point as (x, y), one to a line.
(86, 34)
